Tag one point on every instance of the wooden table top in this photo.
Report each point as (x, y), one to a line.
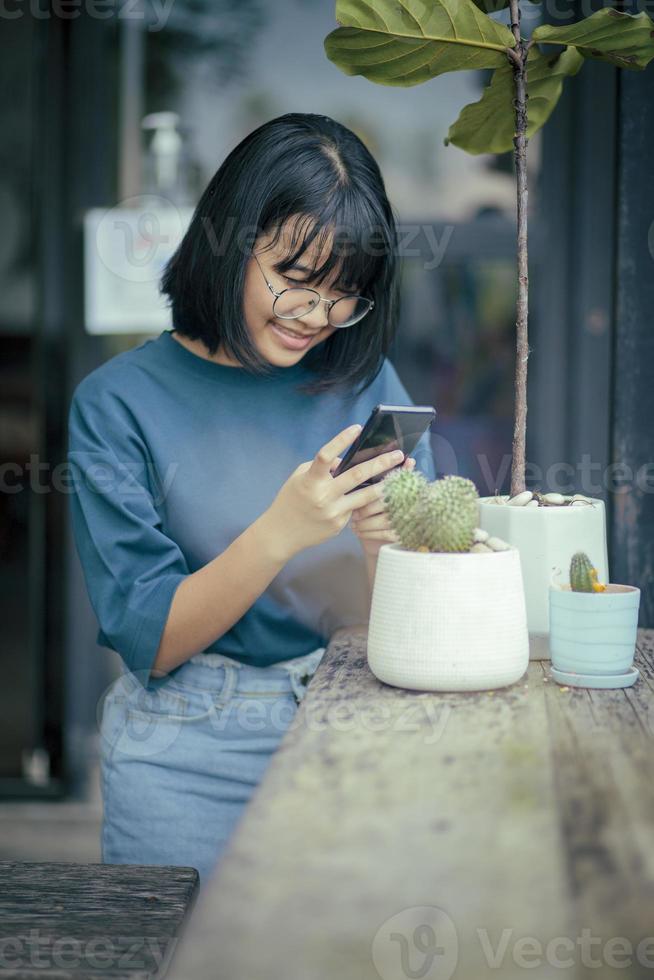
(83, 921)
(403, 834)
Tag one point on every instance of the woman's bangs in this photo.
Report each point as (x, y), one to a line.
(353, 260)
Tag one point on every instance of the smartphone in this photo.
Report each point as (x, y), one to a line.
(388, 427)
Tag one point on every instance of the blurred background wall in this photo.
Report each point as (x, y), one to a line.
(80, 118)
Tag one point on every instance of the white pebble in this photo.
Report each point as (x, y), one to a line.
(497, 544)
(533, 503)
(480, 549)
(553, 498)
(521, 499)
(480, 535)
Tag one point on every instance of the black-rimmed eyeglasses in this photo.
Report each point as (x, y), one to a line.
(297, 301)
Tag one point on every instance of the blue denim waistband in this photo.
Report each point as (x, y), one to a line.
(297, 668)
(307, 661)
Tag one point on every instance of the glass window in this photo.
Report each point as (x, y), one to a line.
(225, 68)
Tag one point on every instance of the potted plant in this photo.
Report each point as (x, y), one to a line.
(407, 43)
(593, 629)
(448, 608)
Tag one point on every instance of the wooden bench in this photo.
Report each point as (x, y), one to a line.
(91, 920)
(407, 834)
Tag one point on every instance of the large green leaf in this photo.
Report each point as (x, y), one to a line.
(488, 126)
(410, 42)
(625, 40)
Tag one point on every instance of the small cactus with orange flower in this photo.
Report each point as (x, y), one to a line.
(583, 575)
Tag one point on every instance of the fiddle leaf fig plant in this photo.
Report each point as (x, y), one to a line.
(404, 44)
(409, 42)
(486, 126)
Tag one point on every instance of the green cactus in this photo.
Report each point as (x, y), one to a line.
(450, 511)
(438, 516)
(583, 576)
(402, 490)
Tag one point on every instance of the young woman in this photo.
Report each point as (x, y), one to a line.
(212, 535)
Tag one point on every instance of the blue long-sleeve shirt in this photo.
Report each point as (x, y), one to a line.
(172, 457)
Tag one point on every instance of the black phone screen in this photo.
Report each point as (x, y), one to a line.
(389, 427)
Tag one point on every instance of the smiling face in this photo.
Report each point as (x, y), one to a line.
(264, 327)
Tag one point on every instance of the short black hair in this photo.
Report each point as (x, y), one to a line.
(298, 164)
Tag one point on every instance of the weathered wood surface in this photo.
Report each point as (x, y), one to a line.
(91, 920)
(403, 834)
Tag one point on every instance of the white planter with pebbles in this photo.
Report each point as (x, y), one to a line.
(546, 537)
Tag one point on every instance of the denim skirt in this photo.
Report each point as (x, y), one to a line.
(181, 757)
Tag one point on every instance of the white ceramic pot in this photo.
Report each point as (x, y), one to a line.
(547, 538)
(448, 622)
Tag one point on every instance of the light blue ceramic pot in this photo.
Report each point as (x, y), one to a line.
(593, 632)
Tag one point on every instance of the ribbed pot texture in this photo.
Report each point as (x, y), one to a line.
(594, 632)
(448, 622)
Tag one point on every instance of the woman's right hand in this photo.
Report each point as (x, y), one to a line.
(313, 506)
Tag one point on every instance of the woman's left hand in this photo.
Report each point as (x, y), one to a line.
(371, 523)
